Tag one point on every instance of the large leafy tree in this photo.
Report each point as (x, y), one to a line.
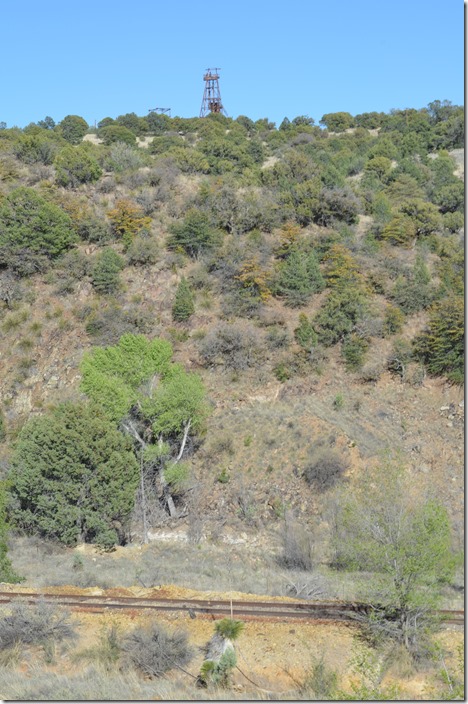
(155, 401)
(73, 477)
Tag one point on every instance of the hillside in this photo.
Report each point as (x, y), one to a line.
(300, 294)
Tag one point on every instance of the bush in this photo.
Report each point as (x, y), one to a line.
(116, 133)
(325, 470)
(183, 306)
(74, 166)
(32, 227)
(128, 220)
(154, 651)
(73, 128)
(34, 624)
(298, 550)
(73, 477)
(441, 345)
(107, 324)
(106, 269)
(235, 347)
(194, 235)
(305, 334)
(353, 350)
(299, 277)
(143, 251)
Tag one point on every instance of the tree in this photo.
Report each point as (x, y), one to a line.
(106, 269)
(441, 345)
(74, 166)
(194, 234)
(403, 540)
(183, 306)
(338, 316)
(337, 121)
(28, 222)
(400, 230)
(73, 128)
(112, 376)
(116, 133)
(73, 477)
(299, 277)
(156, 402)
(47, 123)
(128, 220)
(7, 574)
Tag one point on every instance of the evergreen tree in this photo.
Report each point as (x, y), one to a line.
(105, 273)
(73, 477)
(183, 306)
(7, 574)
(299, 277)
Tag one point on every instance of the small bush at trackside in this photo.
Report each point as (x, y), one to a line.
(297, 545)
(155, 651)
(35, 624)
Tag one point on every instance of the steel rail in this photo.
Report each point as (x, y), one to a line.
(323, 611)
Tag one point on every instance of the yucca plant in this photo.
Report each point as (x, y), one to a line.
(229, 628)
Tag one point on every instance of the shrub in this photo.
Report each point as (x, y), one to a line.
(109, 323)
(339, 314)
(194, 235)
(299, 277)
(324, 470)
(127, 220)
(34, 624)
(116, 133)
(73, 477)
(143, 251)
(229, 628)
(305, 334)
(235, 347)
(393, 321)
(30, 226)
(183, 306)
(74, 166)
(298, 552)
(105, 272)
(441, 345)
(123, 157)
(73, 128)
(353, 350)
(155, 651)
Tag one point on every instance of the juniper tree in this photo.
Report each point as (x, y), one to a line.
(183, 306)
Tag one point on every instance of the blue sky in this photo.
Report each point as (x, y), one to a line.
(277, 58)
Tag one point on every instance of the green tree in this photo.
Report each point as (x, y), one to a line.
(299, 277)
(74, 166)
(73, 477)
(106, 269)
(183, 306)
(403, 540)
(116, 133)
(304, 333)
(339, 315)
(194, 234)
(112, 376)
(441, 345)
(73, 128)
(400, 230)
(29, 222)
(414, 291)
(337, 121)
(7, 574)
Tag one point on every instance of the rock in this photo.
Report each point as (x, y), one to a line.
(461, 404)
(450, 424)
(445, 408)
(424, 468)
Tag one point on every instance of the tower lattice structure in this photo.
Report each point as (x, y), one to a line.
(212, 96)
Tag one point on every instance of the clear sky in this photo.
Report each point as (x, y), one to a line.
(277, 58)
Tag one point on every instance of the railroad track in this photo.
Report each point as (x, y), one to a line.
(216, 608)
